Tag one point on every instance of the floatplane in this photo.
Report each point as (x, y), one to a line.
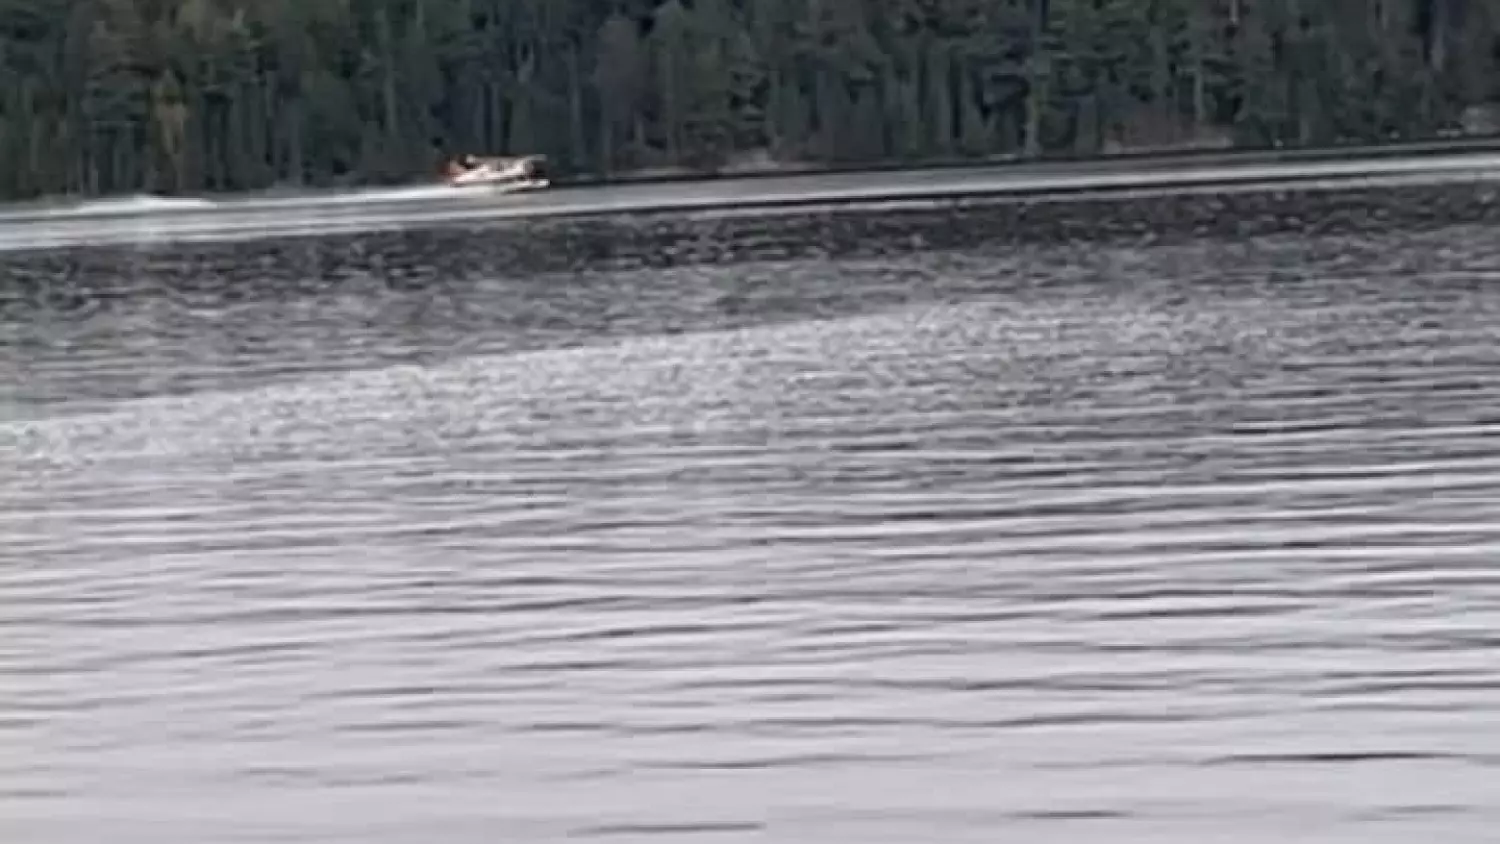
(503, 174)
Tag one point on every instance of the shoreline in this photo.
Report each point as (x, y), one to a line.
(1149, 159)
(1139, 161)
(794, 196)
(977, 225)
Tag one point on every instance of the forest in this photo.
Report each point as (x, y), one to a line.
(187, 96)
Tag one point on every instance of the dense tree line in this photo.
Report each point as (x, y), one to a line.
(192, 95)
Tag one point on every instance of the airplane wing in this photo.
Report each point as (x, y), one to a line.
(522, 172)
(521, 166)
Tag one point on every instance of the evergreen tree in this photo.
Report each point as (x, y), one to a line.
(110, 96)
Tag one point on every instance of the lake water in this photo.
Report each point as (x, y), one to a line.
(1184, 544)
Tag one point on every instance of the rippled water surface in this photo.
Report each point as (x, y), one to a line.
(1195, 543)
